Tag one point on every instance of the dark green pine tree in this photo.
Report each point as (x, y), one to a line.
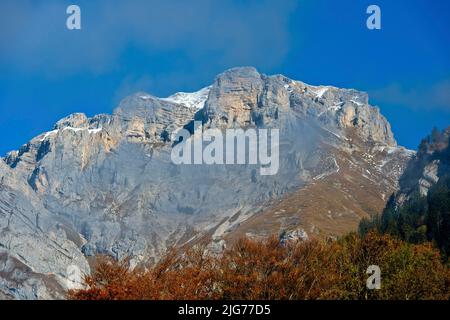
(438, 218)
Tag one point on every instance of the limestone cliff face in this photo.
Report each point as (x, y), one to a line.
(242, 97)
(107, 185)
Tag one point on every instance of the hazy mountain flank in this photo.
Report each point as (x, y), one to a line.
(107, 185)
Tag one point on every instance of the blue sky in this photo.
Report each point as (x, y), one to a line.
(48, 72)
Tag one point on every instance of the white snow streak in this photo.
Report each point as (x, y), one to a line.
(194, 100)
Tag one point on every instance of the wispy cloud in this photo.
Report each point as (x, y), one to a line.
(33, 34)
(432, 96)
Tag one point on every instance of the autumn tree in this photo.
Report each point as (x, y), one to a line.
(269, 269)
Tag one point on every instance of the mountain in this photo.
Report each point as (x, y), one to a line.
(426, 168)
(420, 210)
(107, 184)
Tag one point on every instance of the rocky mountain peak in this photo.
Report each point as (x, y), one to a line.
(75, 120)
(140, 104)
(242, 97)
(431, 162)
(107, 185)
(233, 96)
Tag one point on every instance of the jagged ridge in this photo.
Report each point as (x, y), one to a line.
(106, 185)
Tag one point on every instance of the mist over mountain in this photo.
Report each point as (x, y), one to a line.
(107, 185)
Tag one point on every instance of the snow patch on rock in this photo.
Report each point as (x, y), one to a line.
(194, 100)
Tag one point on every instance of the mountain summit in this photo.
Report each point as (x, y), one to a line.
(107, 185)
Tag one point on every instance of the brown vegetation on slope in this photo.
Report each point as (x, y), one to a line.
(333, 205)
(269, 270)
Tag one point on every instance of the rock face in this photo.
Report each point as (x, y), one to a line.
(107, 185)
(431, 162)
(241, 97)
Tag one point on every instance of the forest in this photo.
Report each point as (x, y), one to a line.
(271, 270)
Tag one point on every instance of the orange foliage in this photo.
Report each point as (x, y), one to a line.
(268, 270)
